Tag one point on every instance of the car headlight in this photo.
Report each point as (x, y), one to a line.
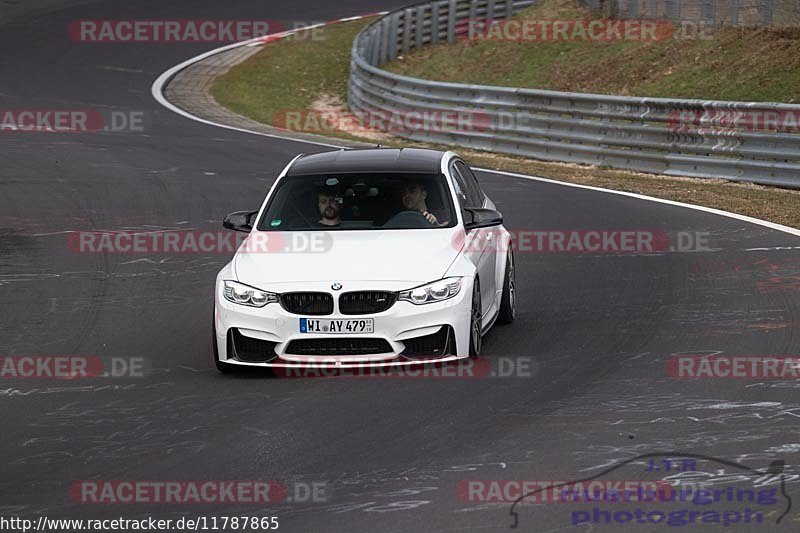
(435, 291)
(239, 293)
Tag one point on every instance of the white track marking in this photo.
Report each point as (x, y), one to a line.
(157, 89)
(744, 218)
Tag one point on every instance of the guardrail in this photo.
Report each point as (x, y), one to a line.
(696, 138)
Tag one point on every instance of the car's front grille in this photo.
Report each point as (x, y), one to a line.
(251, 350)
(366, 302)
(338, 346)
(430, 346)
(308, 303)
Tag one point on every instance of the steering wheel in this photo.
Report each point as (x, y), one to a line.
(305, 219)
(408, 219)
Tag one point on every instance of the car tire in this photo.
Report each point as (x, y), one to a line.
(508, 302)
(225, 368)
(475, 317)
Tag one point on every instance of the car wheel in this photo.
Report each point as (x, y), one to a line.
(475, 325)
(508, 302)
(225, 368)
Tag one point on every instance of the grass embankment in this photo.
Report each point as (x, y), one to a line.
(312, 74)
(291, 75)
(753, 64)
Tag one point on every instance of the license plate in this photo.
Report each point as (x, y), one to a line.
(315, 325)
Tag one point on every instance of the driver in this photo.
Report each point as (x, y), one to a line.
(414, 196)
(329, 208)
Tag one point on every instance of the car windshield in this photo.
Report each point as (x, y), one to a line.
(359, 202)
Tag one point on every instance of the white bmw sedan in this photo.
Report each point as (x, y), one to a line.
(379, 257)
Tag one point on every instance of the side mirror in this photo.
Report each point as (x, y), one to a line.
(481, 218)
(240, 221)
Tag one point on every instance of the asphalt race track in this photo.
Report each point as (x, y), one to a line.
(595, 329)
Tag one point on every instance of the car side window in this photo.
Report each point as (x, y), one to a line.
(474, 193)
(461, 187)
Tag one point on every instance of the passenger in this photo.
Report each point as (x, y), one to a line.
(329, 208)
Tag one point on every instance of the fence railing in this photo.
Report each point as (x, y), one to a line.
(743, 141)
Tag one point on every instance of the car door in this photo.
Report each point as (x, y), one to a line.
(479, 242)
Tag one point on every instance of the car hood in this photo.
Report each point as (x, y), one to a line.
(415, 256)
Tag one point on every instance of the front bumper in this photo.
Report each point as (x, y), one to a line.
(403, 321)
